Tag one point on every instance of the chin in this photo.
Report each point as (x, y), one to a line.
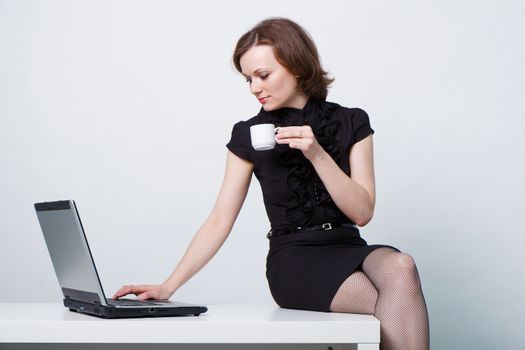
(268, 107)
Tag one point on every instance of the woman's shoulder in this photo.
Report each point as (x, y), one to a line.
(240, 143)
(354, 121)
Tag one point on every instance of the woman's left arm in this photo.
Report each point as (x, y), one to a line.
(355, 195)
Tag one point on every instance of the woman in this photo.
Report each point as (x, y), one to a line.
(317, 184)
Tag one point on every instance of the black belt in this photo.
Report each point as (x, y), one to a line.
(326, 226)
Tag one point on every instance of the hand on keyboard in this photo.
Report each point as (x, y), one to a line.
(145, 291)
(128, 302)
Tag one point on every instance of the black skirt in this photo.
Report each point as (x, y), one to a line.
(305, 270)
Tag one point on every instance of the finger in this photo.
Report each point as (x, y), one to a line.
(119, 292)
(297, 145)
(289, 140)
(297, 132)
(136, 290)
(300, 144)
(130, 289)
(293, 143)
(144, 296)
(287, 132)
(284, 129)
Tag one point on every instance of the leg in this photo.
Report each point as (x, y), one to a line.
(356, 295)
(400, 303)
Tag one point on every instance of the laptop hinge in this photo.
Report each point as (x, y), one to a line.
(80, 295)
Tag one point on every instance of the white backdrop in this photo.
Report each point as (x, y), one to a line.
(125, 106)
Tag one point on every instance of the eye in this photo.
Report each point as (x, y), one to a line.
(248, 80)
(264, 76)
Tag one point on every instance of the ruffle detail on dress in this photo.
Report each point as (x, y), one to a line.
(303, 182)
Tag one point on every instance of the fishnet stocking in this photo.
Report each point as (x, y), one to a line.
(390, 289)
(356, 295)
(400, 303)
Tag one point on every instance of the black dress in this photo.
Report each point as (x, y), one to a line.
(305, 270)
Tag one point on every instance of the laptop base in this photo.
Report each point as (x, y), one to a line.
(104, 311)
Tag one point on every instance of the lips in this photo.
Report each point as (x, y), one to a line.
(263, 99)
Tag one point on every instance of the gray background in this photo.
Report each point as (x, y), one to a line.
(125, 106)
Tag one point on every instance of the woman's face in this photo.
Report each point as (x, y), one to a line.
(272, 84)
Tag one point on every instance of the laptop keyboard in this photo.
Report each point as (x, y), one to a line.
(127, 302)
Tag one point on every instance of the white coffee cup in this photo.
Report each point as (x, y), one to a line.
(263, 136)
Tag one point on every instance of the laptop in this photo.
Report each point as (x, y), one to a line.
(77, 274)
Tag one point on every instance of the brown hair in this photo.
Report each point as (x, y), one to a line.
(293, 48)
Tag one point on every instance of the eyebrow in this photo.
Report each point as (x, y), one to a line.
(256, 71)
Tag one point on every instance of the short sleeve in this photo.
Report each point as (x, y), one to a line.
(360, 125)
(240, 141)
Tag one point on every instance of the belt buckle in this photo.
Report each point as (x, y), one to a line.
(327, 226)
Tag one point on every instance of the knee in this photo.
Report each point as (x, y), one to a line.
(405, 270)
(404, 262)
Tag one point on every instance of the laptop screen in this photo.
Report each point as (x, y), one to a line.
(69, 250)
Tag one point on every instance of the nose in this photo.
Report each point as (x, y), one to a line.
(255, 88)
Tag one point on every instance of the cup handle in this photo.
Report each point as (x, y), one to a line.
(276, 130)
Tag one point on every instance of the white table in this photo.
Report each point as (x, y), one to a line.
(222, 327)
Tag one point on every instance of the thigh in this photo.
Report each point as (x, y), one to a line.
(356, 295)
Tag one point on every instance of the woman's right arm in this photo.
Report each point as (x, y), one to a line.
(210, 236)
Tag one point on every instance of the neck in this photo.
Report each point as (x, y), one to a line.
(299, 102)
